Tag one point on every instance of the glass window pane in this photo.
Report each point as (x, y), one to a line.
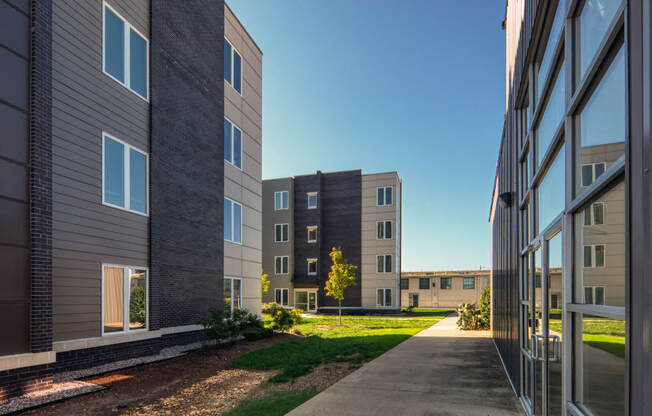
(285, 264)
(380, 267)
(600, 251)
(237, 147)
(114, 167)
(603, 122)
(277, 200)
(593, 24)
(227, 293)
(599, 295)
(381, 196)
(286, 203)
(598, 214)
(381, 230)
(237, 72)
(286, 232)
(602, 365)
(113, 299)
(587, 175)
(137, 181)
(137, 63)
(553, 40)
(286, 296)
(587, 216)
(137, 298)
(278, 296)
(228, 224)
(278, 265)
(405, 284)
(424, 283)
(227, 141)
(237, 293)
(388, 229)
(379, 297)
(114, 45)
(237, 223)
(388, 195)
(388, 297)
(388, 264)
(551, 195)
(227, 61)
(552, 116)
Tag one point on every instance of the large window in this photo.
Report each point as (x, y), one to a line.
(384, 297)
(232, 293)
(424, 283)
(384, 230)
(384, 195)
(446, 283)
(551, 195)
(552, 116)
(594, 21)
(281, 200)
(384, 263)
(232, 67)
(232, 221)
(124, 298)
(125, 53)
(405, 284)
(125, 176)
(281, 233)
(468, 283)
(281, 264)
(282, 296)
(551, 47)
(232, 144)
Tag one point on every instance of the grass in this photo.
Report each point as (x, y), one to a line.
(360, 339)
(436, 313)
(276, 404)
(416, 313)
(602, 333)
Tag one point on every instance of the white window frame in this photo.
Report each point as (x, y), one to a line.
(310, 228)
(384, 256)
(233, 49)
(384, 188)
(384, 233)
(315, 194)
(241, 290)
(316, 261)
(127, 56)
(275, 234)
(384, 289)
(282, 290)
(125, 299)
(126, 155)
(233, 128)
(592, 214)
(593, 288)
(287, 271)
(593, 177)
(593, 251)
(281, 193)
(233, 222)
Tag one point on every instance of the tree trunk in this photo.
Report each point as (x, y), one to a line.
(340, 310)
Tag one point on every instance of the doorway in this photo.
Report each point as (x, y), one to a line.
(305, 300)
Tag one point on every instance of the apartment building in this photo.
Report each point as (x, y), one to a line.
(305, 216)
(570, 212)
(120, 226)
(443, 289)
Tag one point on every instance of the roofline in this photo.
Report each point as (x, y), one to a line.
(243, 28)
(451, 272)
(318, 172)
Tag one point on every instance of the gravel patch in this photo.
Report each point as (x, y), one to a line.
(58, 391)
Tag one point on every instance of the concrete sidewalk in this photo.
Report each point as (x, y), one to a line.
(439, 371)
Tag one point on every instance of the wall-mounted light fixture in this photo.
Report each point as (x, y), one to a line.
(505, 199)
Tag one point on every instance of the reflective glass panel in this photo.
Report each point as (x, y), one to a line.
(137, 298)
(227, 141)
(237, 72)
(553, 40)
(137, 181)
(552, 116)
(227, 61)
(594, 22)
(237, 223)
(114, 166)
(137, 63)
(113, 307)
(227, 293)
(114, 45)
(551, 195)
(228, 221)
(237, 147)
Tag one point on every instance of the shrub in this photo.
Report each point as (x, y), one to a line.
(265, 307)
(253, 334)
(221, 324)
(409, 310)
(474, 317)
(283, 319)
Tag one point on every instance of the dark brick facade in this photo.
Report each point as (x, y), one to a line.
(20, 381)
(186, 160)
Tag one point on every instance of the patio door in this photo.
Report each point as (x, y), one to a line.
(305, 300)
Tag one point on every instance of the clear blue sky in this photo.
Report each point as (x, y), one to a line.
(415, 86)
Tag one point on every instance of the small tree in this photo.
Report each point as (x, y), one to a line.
(264, 283)
(341, 276)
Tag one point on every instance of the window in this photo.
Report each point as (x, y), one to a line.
(232, 293)
(232, 144)
(384, 297)
(468, 283)
(591, 172)
(594, 214)
(413, 300)
(554, 301)
(551, 47)
(232, 67)
(384, 263)
(125, 55)
(554, 112)
(124, 298)
(384, 230)
(594, 22)
(281, 264)
(312, 234)
(125, 176)
(281, 200)
(446, 283)
(232, 221)
(424, 283)
(282, 296)
(282, 233)
(312, 200)
(594, 295)
(405, 284)
(551, 197)
(594, 255)
(384, 195)
(312, 266)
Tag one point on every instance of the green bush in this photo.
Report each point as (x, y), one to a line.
(254, 334)
(222, 324)
(138, 306)
(283, 319)
(409, 310)
(474, 317)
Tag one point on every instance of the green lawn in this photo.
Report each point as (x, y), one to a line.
(603, 333)
(276, 404)
(416, 313)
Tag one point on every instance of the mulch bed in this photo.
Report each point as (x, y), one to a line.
(199, 383)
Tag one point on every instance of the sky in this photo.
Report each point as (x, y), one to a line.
(415, 86)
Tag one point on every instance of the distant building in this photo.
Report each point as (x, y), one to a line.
(442, 289)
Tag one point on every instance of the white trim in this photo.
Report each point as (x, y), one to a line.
(281, 240)
(308, 195)
(308, 292)
(593, 288)
(127, 55)
(384, 256)
(282, 272)
(591, 210)
(30, 359)
(593, 176)
(126, 181)
(241, 290)
(384, 222)
(233, 128)
(125, 299)
(593, 257)
(233, 49)
(232, 240)
(282, 208)
(316, 261)
(384, 188)
(384, 289)
(310, 228)
(281, 290)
